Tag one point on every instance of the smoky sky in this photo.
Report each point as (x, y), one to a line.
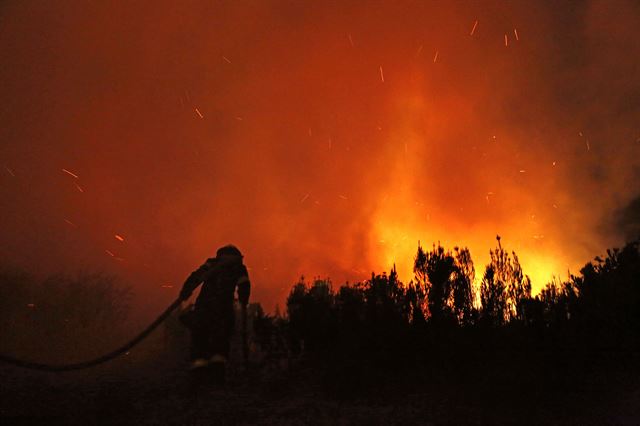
(322, 138)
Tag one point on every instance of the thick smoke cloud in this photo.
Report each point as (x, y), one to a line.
(322, 138)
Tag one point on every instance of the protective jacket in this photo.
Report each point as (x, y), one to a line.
(221, 276)
(212, 320)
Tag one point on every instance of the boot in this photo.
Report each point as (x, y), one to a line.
(198, 373)
(217, 370)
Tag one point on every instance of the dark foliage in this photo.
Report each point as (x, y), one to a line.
(435, 329)
(61, 317)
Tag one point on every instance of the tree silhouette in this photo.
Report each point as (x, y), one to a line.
(462, 286)
(505, 290)
(434, 270)
(310, 312)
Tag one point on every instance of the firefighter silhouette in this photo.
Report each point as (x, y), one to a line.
(211, 319)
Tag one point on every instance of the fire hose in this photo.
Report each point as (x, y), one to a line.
(96, 361)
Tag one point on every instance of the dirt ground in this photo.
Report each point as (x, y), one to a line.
(135, 391)
(151, 385)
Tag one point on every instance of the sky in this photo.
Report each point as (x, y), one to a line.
(324, 139)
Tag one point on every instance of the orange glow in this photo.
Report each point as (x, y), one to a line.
(322, 138)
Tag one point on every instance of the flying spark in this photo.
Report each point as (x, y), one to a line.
(381, 74)
(110, 253)
(119, 238)
(350, 40)
(10, 171)
(435, 58)
(79, 188)
(304, 198)
(226, 59)
(515, 32)
(70, 174)
(506, 40)
(71, 223)
(475, 25)
(490, 193)
(199, 113)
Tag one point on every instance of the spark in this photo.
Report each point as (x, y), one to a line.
(71, 223)
(588, 146)
(239, 118)
(516, 34)
(351, 40)
(31, 305)
(10, 171)
(538, 237)
(199, 113)
(343, 197)
(475, 25)
(79, 188)
(110, 253)
(553, 164)
(226, 59)
(119, 238)
(70, 174)
(419, 51)
(554, 206)
(435, 58)
(381, 74)
(488, 195)
(523, 171)
(166, 286)
(304, 198)
(506, 40)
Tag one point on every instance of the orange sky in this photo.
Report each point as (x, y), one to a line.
(323, 139)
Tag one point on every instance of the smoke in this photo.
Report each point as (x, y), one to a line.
(322, 139)
(627, 220)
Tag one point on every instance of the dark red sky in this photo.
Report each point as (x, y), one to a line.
(322, 138)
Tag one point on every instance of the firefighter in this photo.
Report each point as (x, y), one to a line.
(211, 320)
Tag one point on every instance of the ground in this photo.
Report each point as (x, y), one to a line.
(135, 391)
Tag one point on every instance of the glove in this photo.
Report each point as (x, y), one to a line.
(185, 293)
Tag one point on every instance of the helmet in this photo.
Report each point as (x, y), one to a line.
(228, 250)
